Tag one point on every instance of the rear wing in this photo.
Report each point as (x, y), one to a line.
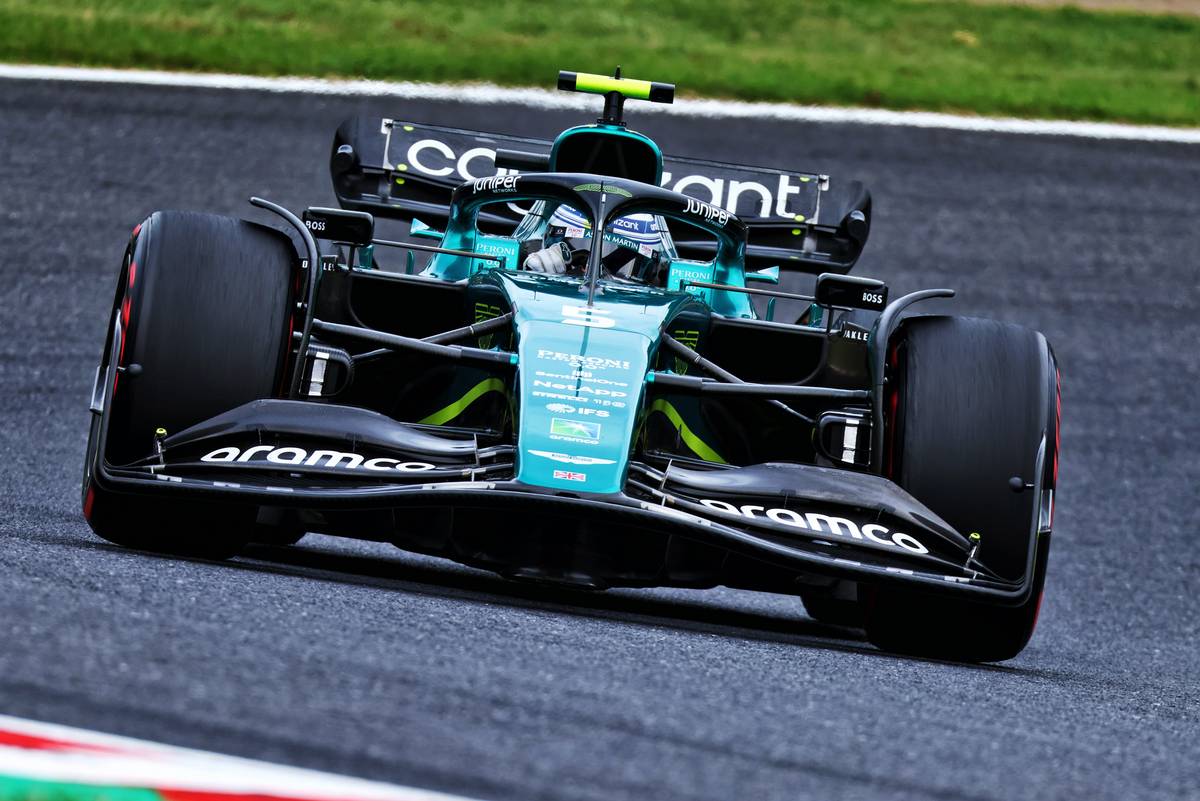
(403, 170)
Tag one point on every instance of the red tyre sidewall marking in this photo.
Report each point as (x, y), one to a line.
(126, 309)
(284, 384)
(88, 501)
(127, 304)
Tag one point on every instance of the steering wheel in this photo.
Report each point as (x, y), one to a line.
(557, 259)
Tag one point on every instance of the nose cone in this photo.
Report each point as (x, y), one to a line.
(581, 391)
(581, 377)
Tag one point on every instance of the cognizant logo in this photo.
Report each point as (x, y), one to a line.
(437, 159)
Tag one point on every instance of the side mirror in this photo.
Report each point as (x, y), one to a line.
(522, 161)
(338, 225)
(344, 159)
(418, 228)
(856, 226)
(850, 291)
(767, 275)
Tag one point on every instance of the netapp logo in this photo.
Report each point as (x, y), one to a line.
(435, 158)
(593, 391)
(298, 457)
(837, 526)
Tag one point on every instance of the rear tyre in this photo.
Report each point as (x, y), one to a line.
(204, 303)
(971, 401)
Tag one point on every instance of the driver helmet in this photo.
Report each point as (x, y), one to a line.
(632, 247)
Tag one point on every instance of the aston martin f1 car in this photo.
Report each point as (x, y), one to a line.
(581, 378)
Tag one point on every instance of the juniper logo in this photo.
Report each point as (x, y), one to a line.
(299, 457)
(706, 211)
(497, 183)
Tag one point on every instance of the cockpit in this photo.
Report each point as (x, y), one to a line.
(555, 235)
(556, 239)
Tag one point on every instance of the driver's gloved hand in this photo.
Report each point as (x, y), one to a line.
(553, 260)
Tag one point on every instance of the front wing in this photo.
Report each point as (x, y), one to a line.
(331, 467)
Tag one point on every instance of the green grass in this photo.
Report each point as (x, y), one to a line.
(905, 54)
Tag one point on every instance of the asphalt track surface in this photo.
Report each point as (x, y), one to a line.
(359, 659)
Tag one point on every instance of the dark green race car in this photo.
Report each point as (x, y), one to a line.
(585, 381)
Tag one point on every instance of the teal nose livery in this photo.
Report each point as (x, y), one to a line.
(581, 375)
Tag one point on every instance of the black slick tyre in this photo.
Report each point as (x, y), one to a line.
(204, 303)
(970, 403)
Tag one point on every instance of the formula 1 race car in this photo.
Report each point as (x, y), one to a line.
(580, 385)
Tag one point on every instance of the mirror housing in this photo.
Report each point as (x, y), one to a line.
(767, 275)
(418, 228)
(355, 228)
(522, 161)
(851, 291)
(344, 159)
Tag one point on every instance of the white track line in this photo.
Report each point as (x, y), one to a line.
(96, 759)
(482, 93)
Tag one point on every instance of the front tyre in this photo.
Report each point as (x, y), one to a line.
(204, 303)
(970, 403)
